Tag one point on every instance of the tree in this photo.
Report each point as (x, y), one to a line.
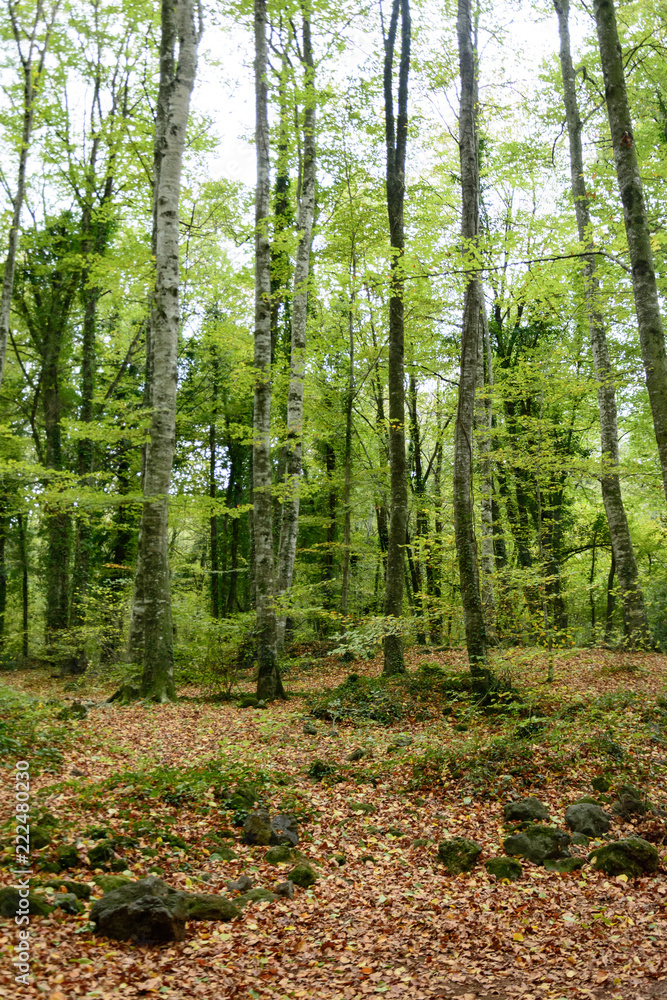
(396, 137)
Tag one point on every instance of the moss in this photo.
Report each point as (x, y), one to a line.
(303, 876)
(458, 854)
(632, 856)
(504, 868)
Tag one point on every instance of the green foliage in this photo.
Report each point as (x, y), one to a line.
(29, 730)
(358, 699)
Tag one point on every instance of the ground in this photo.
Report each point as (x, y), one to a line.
(386, 919)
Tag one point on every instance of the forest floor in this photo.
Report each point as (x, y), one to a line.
(385, 919)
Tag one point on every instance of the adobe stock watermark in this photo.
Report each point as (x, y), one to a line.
(21, 959)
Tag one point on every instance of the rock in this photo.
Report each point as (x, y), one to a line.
(79, 889)
(363, 807)
(588, 798)
(241, 884)
(39, 837)
(258, 895)
(257, 828)
(74, 711)
(101, 854)
(285, 889)
(458, 854)
(303, 876)
(318, 770)
(632, 857)
(284, 830)
(588, 818)
(279, 855)
(309, 729)
(580, 840)
(210, 906)
(340, 859)
(223, 854)
(76, 773)
(630, 801)
(600, 783)
(247, 701)
(504, 868)
(525, 810)
(357, 754)
(146, 911)
(537, 843)
(565, 866)
(67, 856)
(9, 904)
(367, 857)
(68, 903)
(108, 883)
(97, 832)
(395, 831)
(118, 865)
(420, 842)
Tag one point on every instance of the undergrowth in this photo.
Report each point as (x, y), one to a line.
(29, 730)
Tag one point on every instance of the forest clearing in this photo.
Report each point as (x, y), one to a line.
(384, 916)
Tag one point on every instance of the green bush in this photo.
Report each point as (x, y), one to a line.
(30, 730)
(358, 698)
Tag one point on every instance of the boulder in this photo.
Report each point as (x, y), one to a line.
(79, 889)
(67, 856)
(565, 866)
(587, 818)
(285, 889)
(632, 856)
(241, 884)
(600, 783)
(630, 801)
(537, 843)
(210, 906)
(147, 911)
(68, 903)
(580, 840)
(357, 754)
(458, 854)
(309, 729)
(525, 810)
(108, 883)
(257, 895)
(101, 854)
(223, 854)
(303, 876)
(504, 868)
(40, 837)
(38, 906)
(284, 830)
(257, 828)
(280, 855)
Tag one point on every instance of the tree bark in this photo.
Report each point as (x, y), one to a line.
(269, 684)
(484, 421)
(347, 486)
(176, 82)
(23, 559)
(396, 134)
(464, 528)
(634, 612)
(289, 527)
(647, 307)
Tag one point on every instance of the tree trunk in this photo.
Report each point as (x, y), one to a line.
(647, 307)
(23, 559)
(396, 133)
(634, 612)
(347, 487)
(484, 421)
(269, 684)
(176, 82)
(464, 528)
(289, 527)
(421, 514)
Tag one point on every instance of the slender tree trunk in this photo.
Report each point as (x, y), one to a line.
(421, 514)
(32, 68)
(23, 559)
(464, 527)
(176, 82)
(396, 132)
(347, 487)
(289, 527)
(269, 684)
(4, 529)
(611, 600)
(484, 421)
(634, 612)
(647, 307)
(213, 519)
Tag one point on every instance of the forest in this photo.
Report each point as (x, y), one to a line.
(333, 471)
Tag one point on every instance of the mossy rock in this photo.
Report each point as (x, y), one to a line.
(420, 842)
(363, 807)
(504, 868)
(79, 889)
(458, 854)
(565, 866)
(108, 883)
(632, 856)
(45, 819)
(257, 895)
(223, 854)
(40, 836)
(68, 903)
(101, 832)
(101, 853)
(281, 854)
(209, 906)
(303, 876)
(537, 843)
(38, 906)
(580, 840)
(67, 856)
(600, 783)
(588, 818)
(247, 701)
(525, 810)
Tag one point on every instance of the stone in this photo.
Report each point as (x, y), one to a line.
(504, 868)
(257, 828)
(357, 754)
(79, 889)
(67, 856)
(537, 843)
(368, 857)
(340, 859)
(458, 854)
(565, 866)
(241, 884)
(420, 842)
(68, 903)
(363, 807)
(309, 729)
(630, 801)
(580, 839)
(101, 853)
(303, 876)
(632, 856)
(108, 883)
(38, 906)
(223, 854)
(39, 837)
(247, 701)
(148, 911)
(525, 810)
(285, 889)
(395, 831)
(258, 895)
(279, 855)
(44, 819)
(588, 798)
(97, 832)
(210, 906)
(600, 783)
(587, 818)
(284, 830)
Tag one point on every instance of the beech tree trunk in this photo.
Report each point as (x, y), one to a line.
(647, 307)
(177, 76)
(396, 133)
(634, 612)
(289, 527)
(269, 684)
(464, 527)
(484, 421)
